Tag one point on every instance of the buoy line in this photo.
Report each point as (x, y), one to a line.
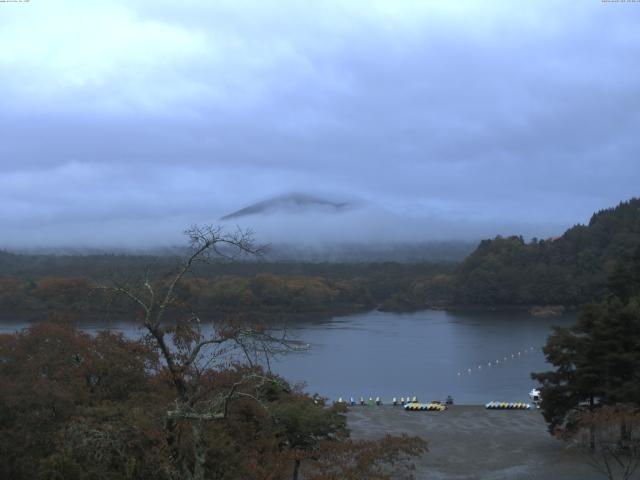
(497, 361)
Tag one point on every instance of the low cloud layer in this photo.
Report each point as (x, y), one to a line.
(124, 122)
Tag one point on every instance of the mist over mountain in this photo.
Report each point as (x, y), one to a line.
(449, 251)
(405, 252)
(327, 226)
(313, 222)
(289, 203)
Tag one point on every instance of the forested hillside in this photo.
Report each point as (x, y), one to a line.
(45, 283)
(572, 269)
(569, 270)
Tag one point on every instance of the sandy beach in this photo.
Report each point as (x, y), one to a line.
(470, 442)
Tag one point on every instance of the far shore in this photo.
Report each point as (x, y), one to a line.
(555, 310)
(34, 316)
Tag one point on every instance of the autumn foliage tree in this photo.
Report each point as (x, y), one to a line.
(608, 438)
(51, 377)
(189, 400)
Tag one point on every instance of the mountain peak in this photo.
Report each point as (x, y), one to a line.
(288, 203)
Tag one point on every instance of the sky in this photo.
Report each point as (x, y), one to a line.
(122, 123)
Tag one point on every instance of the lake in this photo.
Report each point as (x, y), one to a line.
(474, 356)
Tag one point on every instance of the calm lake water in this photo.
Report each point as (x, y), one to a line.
(430, 354)
(473, 356)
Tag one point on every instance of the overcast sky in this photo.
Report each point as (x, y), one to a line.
(124, 122)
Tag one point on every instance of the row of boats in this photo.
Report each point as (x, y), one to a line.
(362, 401)
(402, 401)
(432, 407)
(412, 403)
(508, 406)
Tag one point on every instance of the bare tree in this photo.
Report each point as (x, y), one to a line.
(189, 351)
(608, 438)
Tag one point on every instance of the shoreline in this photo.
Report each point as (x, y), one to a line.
(471, 442)
(32, 316)
(480, 308)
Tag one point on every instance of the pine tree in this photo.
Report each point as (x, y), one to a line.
(597, 360)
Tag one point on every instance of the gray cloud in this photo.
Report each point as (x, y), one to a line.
(123, 122)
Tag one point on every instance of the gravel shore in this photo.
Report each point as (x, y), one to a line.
(471, 442)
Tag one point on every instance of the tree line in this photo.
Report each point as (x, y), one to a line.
(263, 293)
(46, 283)
(569, 270)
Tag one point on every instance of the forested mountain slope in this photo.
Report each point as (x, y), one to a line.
(571, 269)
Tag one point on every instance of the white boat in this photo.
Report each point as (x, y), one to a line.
(535, 397)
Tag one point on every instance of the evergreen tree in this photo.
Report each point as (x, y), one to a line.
(597, 360)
